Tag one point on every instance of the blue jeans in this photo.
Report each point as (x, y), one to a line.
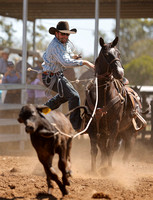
(68, 93)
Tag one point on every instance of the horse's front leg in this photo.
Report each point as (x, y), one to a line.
(102, 143)
(94, 151)
(111, 142)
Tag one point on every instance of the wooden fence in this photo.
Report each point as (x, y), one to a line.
(9, 114)
(10, 129)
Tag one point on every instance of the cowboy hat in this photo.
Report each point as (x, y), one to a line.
(6, 51)
(62, 27)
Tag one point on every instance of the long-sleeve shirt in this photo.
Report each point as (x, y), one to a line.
(59, 56)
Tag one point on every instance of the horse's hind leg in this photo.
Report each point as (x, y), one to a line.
(129, 143)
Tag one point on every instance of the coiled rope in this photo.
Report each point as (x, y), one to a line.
(81, 132)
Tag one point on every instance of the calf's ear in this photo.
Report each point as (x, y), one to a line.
(44, 109)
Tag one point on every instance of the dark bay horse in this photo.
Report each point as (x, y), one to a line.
(117, 116)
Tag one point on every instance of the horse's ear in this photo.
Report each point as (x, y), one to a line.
(114, 43)
(101, 41)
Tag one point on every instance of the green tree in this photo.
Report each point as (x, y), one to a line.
(41, 33)
(143, 47)
(7, 38)
(140, 71)
(135, 38)
(7, 30)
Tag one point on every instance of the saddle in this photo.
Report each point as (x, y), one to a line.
(125, 94)
(134, 98)
(124, 90)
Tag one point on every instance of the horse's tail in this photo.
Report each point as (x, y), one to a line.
(86, 110)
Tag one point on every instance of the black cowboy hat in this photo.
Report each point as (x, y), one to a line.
(62, 27)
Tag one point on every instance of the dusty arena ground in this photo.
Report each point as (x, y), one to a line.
(22, 176)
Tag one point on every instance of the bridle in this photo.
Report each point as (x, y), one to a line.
(111, 62)
(115, 59)
(107, 74)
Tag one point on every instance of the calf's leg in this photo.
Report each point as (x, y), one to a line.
(68, 156)
(51, 175)
(50, 172)
(62, 164)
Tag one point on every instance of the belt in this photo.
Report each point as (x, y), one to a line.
(51, 73)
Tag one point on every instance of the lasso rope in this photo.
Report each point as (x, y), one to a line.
(81, 132)
(75, 81)
(96, 103)
(95, 107)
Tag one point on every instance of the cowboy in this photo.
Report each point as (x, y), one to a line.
(57, 57)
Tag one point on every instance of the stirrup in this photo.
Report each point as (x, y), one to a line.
(142, 120)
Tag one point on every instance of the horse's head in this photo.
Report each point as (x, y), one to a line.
(108, 61)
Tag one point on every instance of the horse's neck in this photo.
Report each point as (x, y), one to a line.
(106, 92)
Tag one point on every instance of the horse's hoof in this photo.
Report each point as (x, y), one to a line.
(66, 182)
(65, 192)
(69, 173)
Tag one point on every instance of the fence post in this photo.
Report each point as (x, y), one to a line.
(151, 139)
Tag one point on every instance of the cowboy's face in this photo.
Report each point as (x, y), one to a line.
(62, 37)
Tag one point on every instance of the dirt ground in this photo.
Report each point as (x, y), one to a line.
(22, 176)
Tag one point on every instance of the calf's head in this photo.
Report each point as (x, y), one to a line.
(30, 115)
